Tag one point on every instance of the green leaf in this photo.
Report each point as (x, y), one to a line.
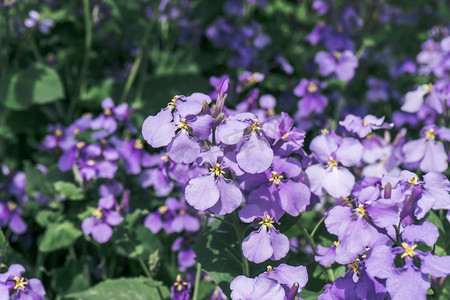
(59, 236)
(68, 190)
(37, 84)
(47, 217)
(3, 245)
(124, 289)
(309, 295)
(215, 248)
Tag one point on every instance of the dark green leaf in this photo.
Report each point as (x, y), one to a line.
(59, 236)
(124, 289)
(215, 248)
(68, 190)
(37, 84)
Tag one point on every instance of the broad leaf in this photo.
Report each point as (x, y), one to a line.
(124, 289)
(59, 236)
(37, 84)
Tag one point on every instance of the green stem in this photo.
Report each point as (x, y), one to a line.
(144, 267)
(197, 281)
(87, 47)
(327, 271)
(141, 82)
(308, 237)
(317, 226)
(81, 86)
(240, 235)
(34, 47)
(137, 61)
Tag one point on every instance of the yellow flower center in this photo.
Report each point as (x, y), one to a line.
(91, 163)
(360, 210)
(355, 266)
(255, 125)
(285, 135)
(365, 123)
(337, 54)
(11, 206)
(163, 209)
(270, 112)
(98, 213)
(172, 103)
(312, 87)
(429, 134)
(20, 283)
(324, 131)
(275, 178)
(179, 284)
(107, 112)
(408, 251)
(252, 79)
(267, 221)
(270, 269)
(58, 132)
(165, 157)
(138, 144)
(81, 145)
(217, 170)
(183, 124)
(336, 243)
(414, 181)
(76, 131)
(429, 87)
(332, 163)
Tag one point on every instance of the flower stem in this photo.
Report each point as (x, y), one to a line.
(317, 226)
(137, 64)
(87, 47)
(197, 281)
(327, 271)
(239, 233)
(144, 267)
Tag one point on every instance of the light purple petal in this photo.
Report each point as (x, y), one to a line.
(438, 266)
(159, 130)
(338, 182)
(202, 192)
(380, 262)
(427, 233)
(280, 244)
(102, 232)
(256, 246)
(255, 155)
(230, 197)
(183, 148)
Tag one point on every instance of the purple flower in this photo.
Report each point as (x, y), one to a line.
(275, 283)
(102, 219)
(178, 126)
(255, 288)
(426, 153)
(180, 290)
(378, 90)
(10, 215)
(341, 63)
(289, 195)
(311, 98)
(173, 217)
(408, 281)
(14, 286)
(266, 242)
(254, 154)
(33, 21)
(213, 191)
(363, 127)
(333, 150)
